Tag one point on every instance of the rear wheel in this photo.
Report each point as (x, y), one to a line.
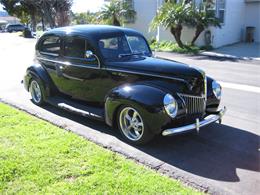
(36, 92)
(132, 126)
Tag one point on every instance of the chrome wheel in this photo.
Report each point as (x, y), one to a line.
(131, 124)
(35, 91)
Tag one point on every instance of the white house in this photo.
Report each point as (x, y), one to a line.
(236, 16)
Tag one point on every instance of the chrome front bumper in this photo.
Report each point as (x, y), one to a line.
(197, 125)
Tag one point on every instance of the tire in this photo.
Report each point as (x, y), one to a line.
(37, 91)
(132, 126)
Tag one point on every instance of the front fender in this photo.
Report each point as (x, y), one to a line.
(146, 99)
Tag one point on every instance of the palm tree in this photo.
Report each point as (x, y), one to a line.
(202, 19)
(173, 16)
(117, 12)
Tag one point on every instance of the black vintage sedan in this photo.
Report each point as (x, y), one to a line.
(109, 73)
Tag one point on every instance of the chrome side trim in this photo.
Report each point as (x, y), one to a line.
(111, 69)
(146, 74)
(68, 63)
(72, 78)
(197, 125)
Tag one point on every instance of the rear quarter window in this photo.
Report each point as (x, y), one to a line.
(51, 45)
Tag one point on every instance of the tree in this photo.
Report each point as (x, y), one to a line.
(173, 16)
(85, 18)
(54, 12)
(9, 5)
(62, 11)
(117, 12)
(202, 18)
(23, 9)
(29, 7)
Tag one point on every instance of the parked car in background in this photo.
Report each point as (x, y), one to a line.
(15, 28)
(108, 73)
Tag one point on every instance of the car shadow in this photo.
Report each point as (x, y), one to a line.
(215, 153)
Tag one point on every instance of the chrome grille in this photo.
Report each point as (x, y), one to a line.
(194, 104)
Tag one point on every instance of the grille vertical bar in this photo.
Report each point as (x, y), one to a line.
(194, 104)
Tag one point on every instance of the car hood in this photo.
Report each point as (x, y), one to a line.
(160, 67)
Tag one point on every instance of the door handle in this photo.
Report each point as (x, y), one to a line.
(61, 67)
(119, 74)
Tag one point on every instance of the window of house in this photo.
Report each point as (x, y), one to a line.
(51, 45)
(221, 10)
(129, 19)
(218, 7)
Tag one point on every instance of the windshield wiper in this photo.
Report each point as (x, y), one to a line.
(130, 54)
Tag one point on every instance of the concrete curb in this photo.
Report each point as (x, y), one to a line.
(218, 55)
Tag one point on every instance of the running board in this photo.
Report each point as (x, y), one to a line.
(74, 107)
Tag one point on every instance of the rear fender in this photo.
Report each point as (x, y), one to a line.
(38, 72)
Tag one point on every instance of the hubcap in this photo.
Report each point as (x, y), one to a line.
(131, 123)
(35, 91)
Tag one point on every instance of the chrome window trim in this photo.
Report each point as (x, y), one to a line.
(50, 54)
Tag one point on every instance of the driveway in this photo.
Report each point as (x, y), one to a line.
(222, 159)
(247, 51)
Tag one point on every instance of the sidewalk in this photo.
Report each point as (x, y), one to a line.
(240, 51)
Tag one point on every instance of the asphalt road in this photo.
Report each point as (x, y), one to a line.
(222, 159)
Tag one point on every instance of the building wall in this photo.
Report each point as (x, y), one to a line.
(145, 13)
(252, 18)
(238, 15)
(233, 27)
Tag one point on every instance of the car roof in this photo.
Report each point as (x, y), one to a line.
(93, 30)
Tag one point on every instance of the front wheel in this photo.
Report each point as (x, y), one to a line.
(132, 126)
(36, 92)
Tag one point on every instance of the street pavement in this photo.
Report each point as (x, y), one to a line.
(222, 159)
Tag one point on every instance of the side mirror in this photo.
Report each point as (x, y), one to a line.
(89, 54)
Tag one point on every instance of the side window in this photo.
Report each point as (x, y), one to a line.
(111, 43)
(74, 47)
(51, 45)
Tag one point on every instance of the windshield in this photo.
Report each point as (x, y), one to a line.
(123, 46)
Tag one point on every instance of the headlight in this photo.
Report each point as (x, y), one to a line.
(170, 105)
(216, 89)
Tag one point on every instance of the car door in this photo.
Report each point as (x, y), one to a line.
(78, 74)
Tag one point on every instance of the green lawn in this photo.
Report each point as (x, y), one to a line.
(38, 158)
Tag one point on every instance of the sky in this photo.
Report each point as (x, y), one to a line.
(82, 5)
(86, 5)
